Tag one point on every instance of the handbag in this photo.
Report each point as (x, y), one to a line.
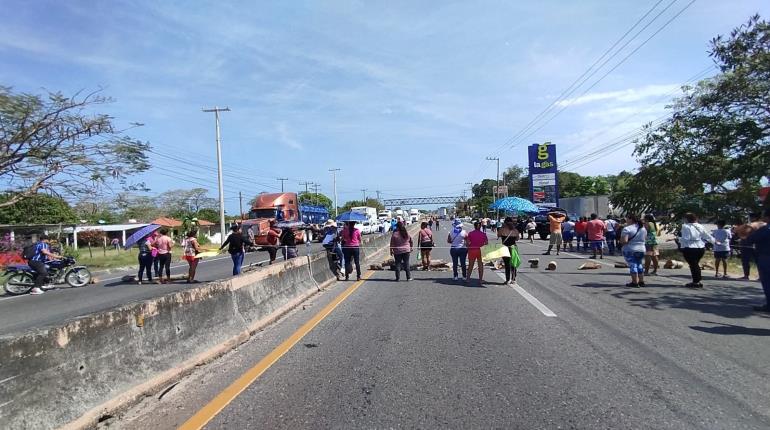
(426, 243)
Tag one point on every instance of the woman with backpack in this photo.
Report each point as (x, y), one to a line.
(633, 237)
(400, 247)
(425, 239)
(509, 235)
(191, 249)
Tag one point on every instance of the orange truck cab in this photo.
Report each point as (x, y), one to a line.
(268, 207)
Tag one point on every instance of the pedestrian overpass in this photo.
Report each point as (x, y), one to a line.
(417, 201)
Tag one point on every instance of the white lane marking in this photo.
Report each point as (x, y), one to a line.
(529, 297)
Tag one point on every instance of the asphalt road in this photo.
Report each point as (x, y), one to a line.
(435, 353)
(18, 313)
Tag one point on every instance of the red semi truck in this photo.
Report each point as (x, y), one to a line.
(267, 207)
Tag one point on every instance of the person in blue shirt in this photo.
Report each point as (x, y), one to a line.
(43, 254)
(760, 241)
(393, 223)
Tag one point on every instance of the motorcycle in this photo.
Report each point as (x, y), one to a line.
(21, 279)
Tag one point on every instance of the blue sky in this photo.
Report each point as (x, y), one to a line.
(405, 97)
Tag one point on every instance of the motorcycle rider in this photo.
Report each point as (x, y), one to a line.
(43, 254)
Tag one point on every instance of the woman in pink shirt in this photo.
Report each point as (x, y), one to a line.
(164, 245)
(476, 239)
(351, 249)
(426, 244)
(400, 247)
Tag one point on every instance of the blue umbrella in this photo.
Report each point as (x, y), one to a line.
(515, 204)
(139, 234)
(351, 216)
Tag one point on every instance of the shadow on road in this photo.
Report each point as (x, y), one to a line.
(728, 301)
(448, 281)
(729, 329)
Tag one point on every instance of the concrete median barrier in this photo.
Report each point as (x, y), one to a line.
(87, 369)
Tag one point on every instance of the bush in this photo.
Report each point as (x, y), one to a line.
(203, 239)
(68, 251)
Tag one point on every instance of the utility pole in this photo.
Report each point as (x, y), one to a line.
(216, 111)
(305, 184)
(315, 190)
(364, 191)
(334, 179)
(281, 179)
(497, 190)
(470, 190)
(378, 195)
(240, 203)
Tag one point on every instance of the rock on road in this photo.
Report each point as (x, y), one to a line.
(435, 353)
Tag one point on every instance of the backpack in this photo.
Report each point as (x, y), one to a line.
(29, 252)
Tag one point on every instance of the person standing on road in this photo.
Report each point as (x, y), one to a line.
(532, 229)
(425, 239)
(610, 228)
(273, 237)
(580, 233)
(145, 259)
(393, 223)
(351, 249)
(759, 240)
(568, 233)
(693, 242)
(191, 249)
(164, 245)
(400, 248)
(288, 243)
(633, 237)
(747, 252)
(509, 235)
(437, 226)
(595, 231)
(331, 243)
(429, 224)
(475, 240)
(651, 251)
(555, 239)
(722, 237)
(154, 252)
(41, 256)
(458, 250)
(234, 243)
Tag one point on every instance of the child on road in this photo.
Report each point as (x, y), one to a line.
(722, 236)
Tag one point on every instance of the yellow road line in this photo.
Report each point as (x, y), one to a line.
(215, 406)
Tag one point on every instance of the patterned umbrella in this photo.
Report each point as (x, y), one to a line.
(139, 234)
(515, 204)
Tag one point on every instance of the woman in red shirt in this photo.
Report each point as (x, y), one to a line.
(580, 233)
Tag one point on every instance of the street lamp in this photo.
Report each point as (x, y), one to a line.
(334, 179)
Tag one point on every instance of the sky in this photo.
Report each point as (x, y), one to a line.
(404, 97)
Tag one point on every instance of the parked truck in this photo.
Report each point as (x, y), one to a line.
(370, 212)
(280, 207)
(385, 215)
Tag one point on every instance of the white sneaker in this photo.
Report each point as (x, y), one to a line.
(456, 278)
(36, 291)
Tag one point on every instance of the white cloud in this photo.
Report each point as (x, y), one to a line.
(623, 96)
(285, 137)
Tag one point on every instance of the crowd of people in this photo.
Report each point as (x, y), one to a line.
(635, 238)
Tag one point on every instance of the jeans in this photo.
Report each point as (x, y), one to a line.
(289, 252)
(237, 262)
(748, 255)
(763, 266)
(145, 265)
(156, 265)
(459, 254)
(164, 264)
(402, 261)
(692, 256)
(41, 272)
(352, 255)
(610, 237)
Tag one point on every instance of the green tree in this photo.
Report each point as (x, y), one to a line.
(374, 203)
(712, 153)
(208, 214)
(316, 199)
(36, 209)
(56, 143)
